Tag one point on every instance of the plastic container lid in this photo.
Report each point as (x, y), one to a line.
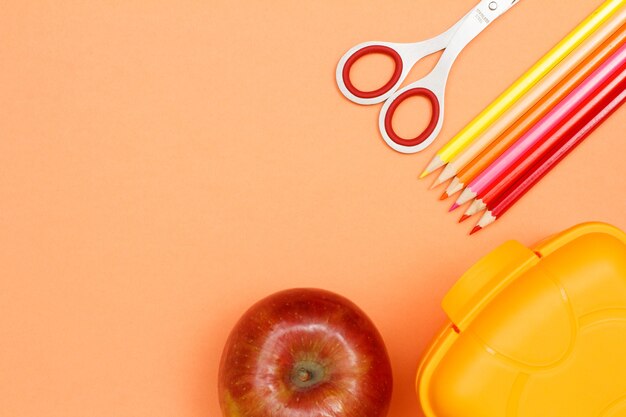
(535, 333)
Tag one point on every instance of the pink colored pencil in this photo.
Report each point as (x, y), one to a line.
(552, 120)
(575, 136)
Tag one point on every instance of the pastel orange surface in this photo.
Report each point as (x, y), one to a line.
(165, 164)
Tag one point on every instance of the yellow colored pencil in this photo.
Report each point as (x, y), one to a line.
(523, 84)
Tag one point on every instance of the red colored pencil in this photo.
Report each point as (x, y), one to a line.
(574, 137)
(582, 113)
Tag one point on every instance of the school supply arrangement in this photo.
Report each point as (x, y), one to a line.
(494, 165)
(528, 129)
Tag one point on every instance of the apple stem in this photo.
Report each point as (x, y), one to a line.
(304, 375)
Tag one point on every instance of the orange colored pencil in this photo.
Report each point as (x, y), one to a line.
(537, 112)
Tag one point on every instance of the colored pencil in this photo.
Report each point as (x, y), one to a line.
(575, 136)
(586, 111)
(610, 34)
(524, 83)
(515, 131)
(557, 115)
(538, 111)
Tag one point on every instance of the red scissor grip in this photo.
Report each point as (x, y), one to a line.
(434, 118)
(368, 50)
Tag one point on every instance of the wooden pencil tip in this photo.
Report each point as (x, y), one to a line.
(454, 207)
(464, 217)
(435, 164)
(476, 229)
(444, 196)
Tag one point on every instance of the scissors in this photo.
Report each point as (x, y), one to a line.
(431, 87)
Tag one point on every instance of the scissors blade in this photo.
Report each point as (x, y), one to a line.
(496, 9)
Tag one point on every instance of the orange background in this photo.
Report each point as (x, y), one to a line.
(164, 164)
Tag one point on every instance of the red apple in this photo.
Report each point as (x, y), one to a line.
(305, 353)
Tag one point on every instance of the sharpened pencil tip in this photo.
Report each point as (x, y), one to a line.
(454, 207)
(435, 164)
(476, 229)
(444, 196)
(464, 217)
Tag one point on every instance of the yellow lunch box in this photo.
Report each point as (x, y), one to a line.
(534, 332)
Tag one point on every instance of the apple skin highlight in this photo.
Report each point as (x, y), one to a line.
(305, 353)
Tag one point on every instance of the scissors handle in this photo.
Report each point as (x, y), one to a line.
(433, 85)
(369, 50)
(432, 89)
(430, 128)
(404, 56)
